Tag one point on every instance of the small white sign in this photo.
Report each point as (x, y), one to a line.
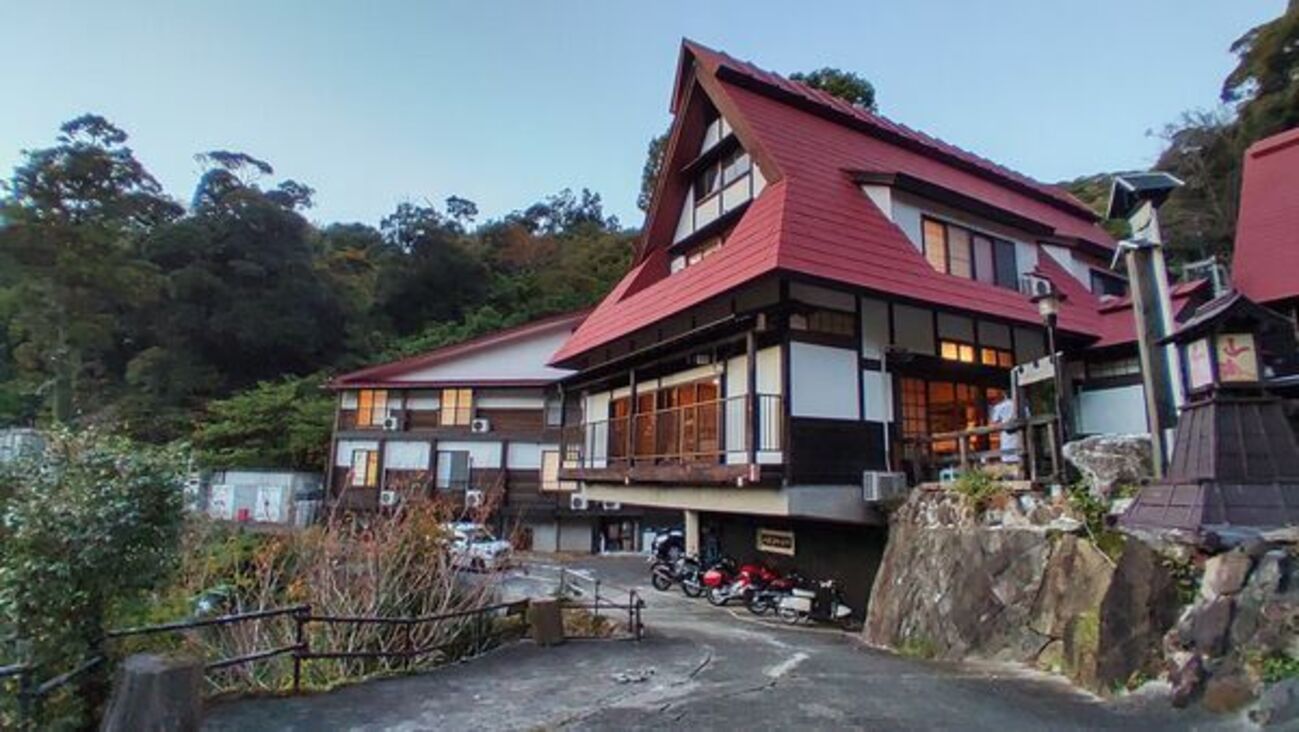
(1032, 372)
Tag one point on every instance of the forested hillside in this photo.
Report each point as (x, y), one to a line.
(1205, 148)
(219, 318)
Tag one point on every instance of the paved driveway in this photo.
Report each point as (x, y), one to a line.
(709, 668)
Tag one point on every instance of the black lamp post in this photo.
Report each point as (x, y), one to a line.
(1048, 305)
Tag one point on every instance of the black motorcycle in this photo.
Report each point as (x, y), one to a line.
(664, 574)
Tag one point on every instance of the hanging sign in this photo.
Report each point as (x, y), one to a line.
(1032, 372)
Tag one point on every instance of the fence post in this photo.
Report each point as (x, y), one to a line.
(26, 709)
(597, 602)
(300, 644)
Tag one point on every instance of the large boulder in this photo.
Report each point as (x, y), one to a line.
(1108, 461)
(1140, 606)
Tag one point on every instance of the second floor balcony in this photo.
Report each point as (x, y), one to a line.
(730, 440)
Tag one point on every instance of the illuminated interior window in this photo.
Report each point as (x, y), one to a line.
(457, 408)
(956, 351)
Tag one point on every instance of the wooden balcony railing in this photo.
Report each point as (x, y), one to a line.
(969, 448)
(726, 432)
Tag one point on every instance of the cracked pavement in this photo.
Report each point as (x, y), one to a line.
(709, 668)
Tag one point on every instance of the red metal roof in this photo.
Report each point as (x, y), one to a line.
(1265, 265)
(813, 219)
(384, 374)
(1117, 324)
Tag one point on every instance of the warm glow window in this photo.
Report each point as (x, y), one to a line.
(550, 470)
(371, 407)
(365, 468)
(457, 407)
(965, 253)
(956, 351)
(999, 357)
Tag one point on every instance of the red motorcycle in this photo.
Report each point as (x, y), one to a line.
(720, 574)
(765, 599)
(739, 586)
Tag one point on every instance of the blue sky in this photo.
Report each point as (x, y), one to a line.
(374, 103)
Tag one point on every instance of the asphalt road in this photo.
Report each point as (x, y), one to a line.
(707, 668)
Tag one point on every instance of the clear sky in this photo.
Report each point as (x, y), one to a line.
(374, 103)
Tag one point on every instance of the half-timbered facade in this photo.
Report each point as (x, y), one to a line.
(820, 297)
(478, 424)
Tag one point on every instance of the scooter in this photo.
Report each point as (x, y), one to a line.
(823, 604)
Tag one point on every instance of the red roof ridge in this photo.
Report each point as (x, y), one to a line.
(443, 353)
(935, 146)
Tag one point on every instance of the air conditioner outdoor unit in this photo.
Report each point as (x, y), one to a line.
(473, 499)
(1033, 285)
(610, 505)
(577, 502)
(391, 423)
(388, 498)
(878, 486)
(480, 425)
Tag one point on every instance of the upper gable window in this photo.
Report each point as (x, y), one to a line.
(1104, 283)
(716, 131)
(966, 253)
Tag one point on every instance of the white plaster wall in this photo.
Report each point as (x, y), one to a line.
(522, 359)
(481, 454)
(343, 454)
(913, 329)
(406, 455)
(1064, 257)
(1121, 410)
(769, 382)
(823, 381)
(426, 400)
(526, 455)
(512, 399)
(685, 222)
(882, 197)
(877, 396)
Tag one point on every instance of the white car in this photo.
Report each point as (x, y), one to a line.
(474, 547)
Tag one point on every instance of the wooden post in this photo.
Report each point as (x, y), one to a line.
(631, 419)
(300, 646)
(1055, 452)
(962, 445)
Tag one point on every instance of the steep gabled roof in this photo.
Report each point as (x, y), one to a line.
(1265, 265)
(812, 218)
(390, 374)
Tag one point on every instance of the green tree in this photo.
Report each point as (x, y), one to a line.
(74, 214)
(275, 424)
(94, 524)
(852, 88)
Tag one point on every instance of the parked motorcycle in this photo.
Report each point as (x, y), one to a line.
(719, 575)
(766, 598)
(691, 578)
(664, 574)
(824, 603)
(668, 545)
(743, 583)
